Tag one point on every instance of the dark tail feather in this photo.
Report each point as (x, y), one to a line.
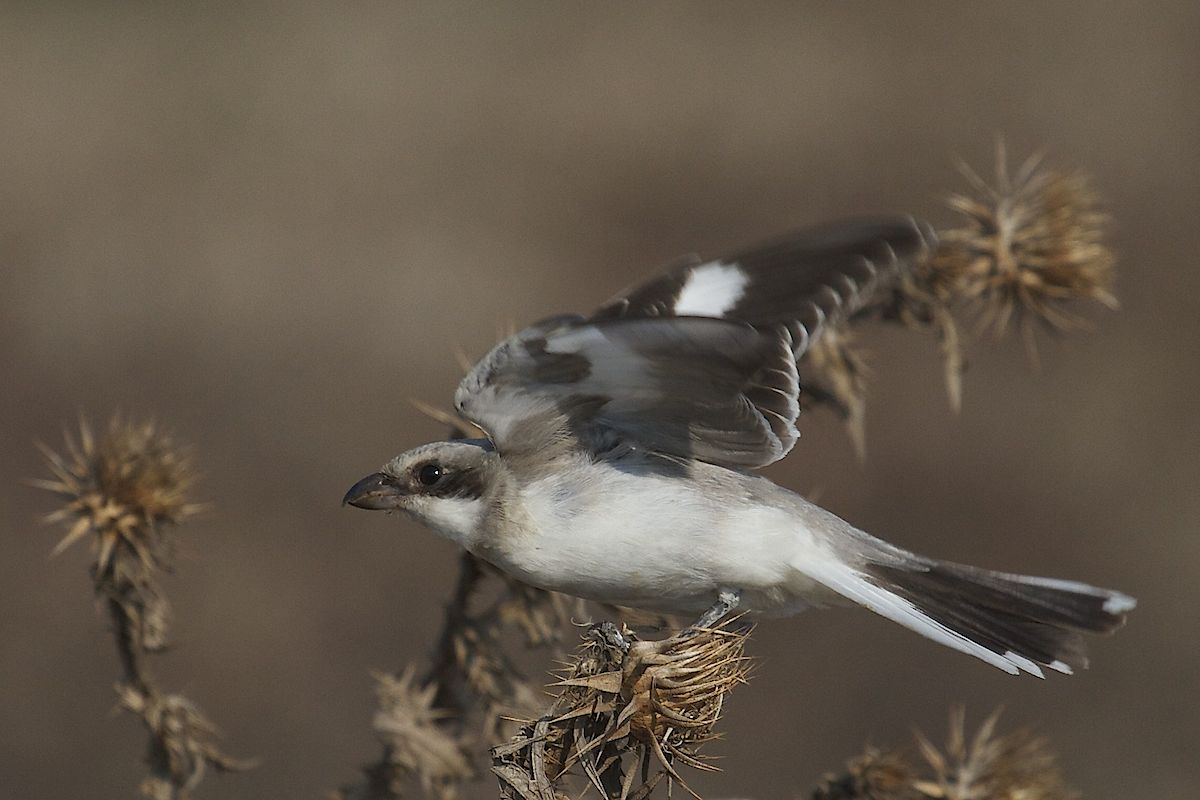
(1039, 619)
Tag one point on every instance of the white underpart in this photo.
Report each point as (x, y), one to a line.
(711, 290)
(655, 542)
(456, 518)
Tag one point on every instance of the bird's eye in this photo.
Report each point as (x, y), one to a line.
(430, 474)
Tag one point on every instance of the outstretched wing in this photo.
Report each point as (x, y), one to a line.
(699, 362)
(803, 281)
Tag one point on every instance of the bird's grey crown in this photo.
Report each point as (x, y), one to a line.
(462, 461)
(697, 363)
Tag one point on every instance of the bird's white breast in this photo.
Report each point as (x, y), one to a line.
(653, 541)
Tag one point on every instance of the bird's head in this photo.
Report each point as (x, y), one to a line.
(442, 485)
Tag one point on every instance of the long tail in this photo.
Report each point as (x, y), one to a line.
(1014, 622)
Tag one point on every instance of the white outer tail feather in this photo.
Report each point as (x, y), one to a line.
(855, 586)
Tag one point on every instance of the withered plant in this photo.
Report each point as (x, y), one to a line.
(125, 491)
(1024, 249)
(627, 716)
(434, 729)
(626, 713)
(1014, 766)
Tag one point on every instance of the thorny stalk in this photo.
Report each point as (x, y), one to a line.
(126, 491)
(433, 727)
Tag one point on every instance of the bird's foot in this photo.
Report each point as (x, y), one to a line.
(727, 601)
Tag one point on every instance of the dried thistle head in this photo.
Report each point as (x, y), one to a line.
(1026, 246)
(674, 691)
(417, 745)
(656, 702)
(874, 775)
(1016, 766)
(124, 487)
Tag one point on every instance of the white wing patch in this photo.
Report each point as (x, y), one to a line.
(614, 364)
(711, 290)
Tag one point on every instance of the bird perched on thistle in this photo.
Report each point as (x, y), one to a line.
(621, 448)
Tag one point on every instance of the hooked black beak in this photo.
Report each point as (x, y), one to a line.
(376, 492)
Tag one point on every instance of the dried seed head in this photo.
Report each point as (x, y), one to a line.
(874, 775)
(657, 702)
(674, 690)
(125, 487)
(1026, 246)
(418, 747)
(1016, 766)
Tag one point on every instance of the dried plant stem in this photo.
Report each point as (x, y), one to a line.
(127, 488)
(385, 776)
(127, 651)
(469, 694)
(444, 672)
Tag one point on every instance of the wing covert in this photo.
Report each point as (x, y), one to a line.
(714, 390)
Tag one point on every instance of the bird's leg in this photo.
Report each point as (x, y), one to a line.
(727, 600)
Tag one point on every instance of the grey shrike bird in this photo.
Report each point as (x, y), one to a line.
(621, 447)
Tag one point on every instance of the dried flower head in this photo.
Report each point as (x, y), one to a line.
(874, 775)
(656, 702)
(1027, 245)
(123, 487)
(417, 745)
(674, 691)
(1016, 766)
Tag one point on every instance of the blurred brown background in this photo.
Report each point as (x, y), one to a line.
(269, 227)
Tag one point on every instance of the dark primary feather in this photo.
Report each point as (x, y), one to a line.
(699, 362)
(802, 281)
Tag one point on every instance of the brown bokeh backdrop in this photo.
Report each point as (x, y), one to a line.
(269, 228)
